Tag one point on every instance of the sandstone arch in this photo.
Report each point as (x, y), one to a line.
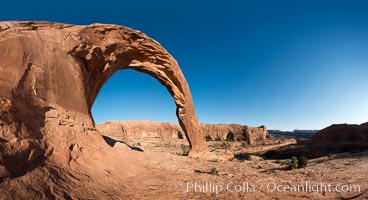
(50, 75)
(135, 50)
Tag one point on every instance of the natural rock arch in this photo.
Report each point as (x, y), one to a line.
(134, 50)
(51, 74)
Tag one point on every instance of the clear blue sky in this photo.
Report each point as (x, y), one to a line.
(286, 64)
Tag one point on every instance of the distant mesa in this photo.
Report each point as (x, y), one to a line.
(306, 134)
(342, 133)
(230, 132)
(342, 138)
(337, 138)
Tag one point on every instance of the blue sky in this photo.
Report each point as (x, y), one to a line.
(286, 64)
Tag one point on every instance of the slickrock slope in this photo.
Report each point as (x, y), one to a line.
(50, 75)
(128, 129)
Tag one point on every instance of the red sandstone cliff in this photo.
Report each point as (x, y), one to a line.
(342, 133)
(121, 129)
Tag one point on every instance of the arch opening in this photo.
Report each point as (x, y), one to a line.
(130, 95)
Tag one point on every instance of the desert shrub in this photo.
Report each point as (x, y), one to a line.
(303, 162)
(214, 171)
(293, 162)
(278, 162)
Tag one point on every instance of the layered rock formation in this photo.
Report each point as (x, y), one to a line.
(342, 133)
(234, 132)
(256, 133)
(50, 75)
(126, 129)
(135, 129)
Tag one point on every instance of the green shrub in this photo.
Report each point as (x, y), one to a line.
(294, 162)
(278, 162)
(303, 162)
(214, 171)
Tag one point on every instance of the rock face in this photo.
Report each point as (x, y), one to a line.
(50, 75)
(135, 129)
(234, 132)
(256, 133)
(342, 133)
(126, 129)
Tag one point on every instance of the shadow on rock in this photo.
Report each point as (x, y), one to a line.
(315, 150)
(112, 142)
(20, 157)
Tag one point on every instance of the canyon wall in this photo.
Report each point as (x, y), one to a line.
(126, 129)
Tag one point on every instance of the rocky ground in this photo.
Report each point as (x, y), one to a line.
(168, 174)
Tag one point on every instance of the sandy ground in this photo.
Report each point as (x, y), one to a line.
(169, 175)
